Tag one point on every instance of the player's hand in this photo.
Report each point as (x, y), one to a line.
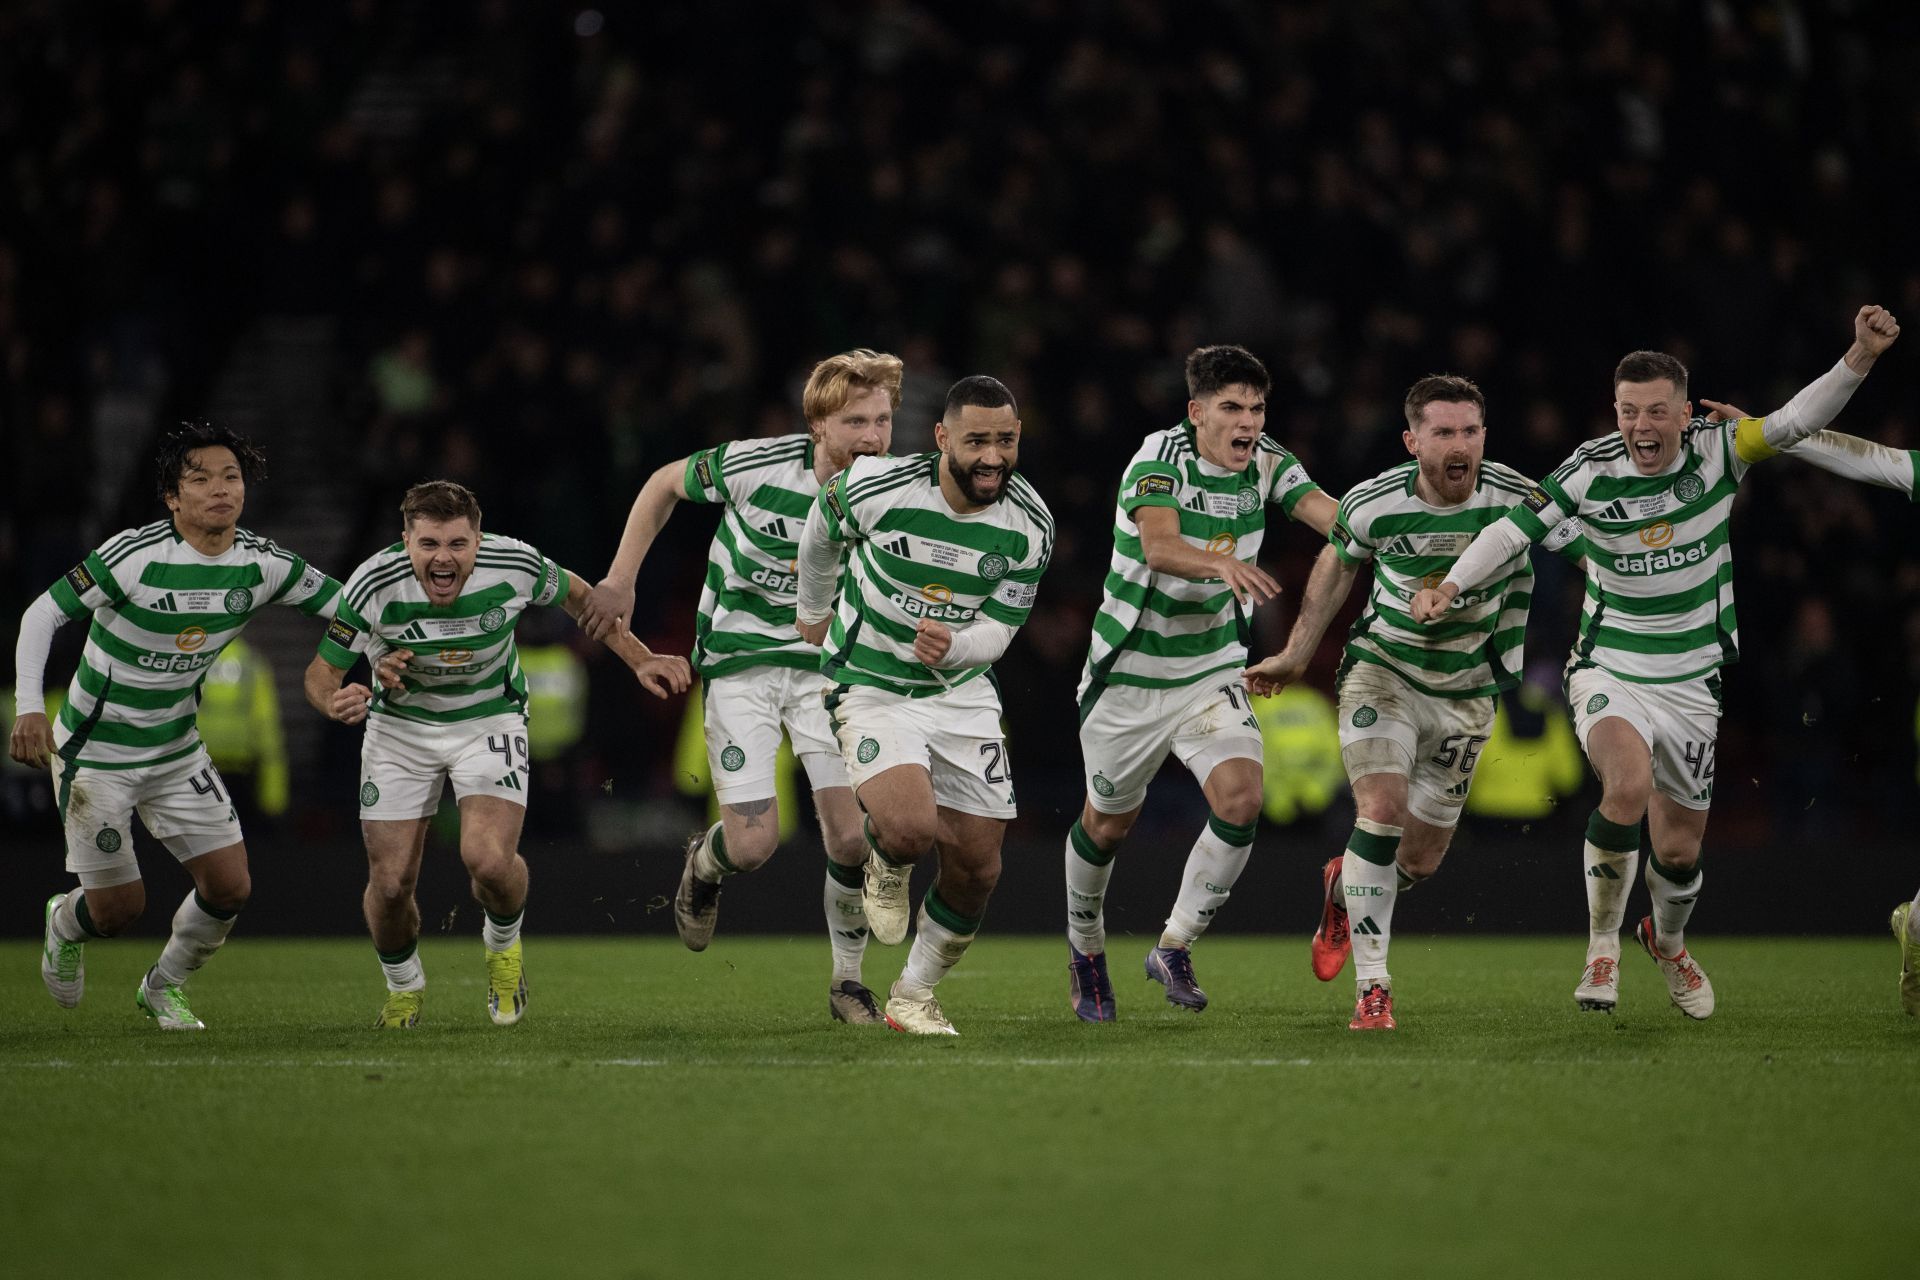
(931, 641)
(1875, 329)
(1431, 603)
(814, 632)
(391, 668)
(664, 674)
(1723, 412)
(32, 740)
(350, 703)
(1271, 675)
(609, 605)
(1250, 584)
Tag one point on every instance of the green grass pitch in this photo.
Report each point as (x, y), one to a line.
(665, 1114)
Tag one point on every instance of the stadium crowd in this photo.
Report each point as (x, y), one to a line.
(563, 247)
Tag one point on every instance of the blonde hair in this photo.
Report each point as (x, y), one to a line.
(838, 379)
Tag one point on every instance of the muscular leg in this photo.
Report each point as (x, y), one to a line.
(490, 848)
(902, 819)
(950, 915)
(205, 917)
(1092, 842)
(393, 917)
(1625, 764)
(1673, 873)
(1218, 857)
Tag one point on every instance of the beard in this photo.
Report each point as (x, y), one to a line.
(969, 479)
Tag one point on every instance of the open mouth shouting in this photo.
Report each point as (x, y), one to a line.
(1458, 471)
(442, 582)
(1646, 451)
(1240, 446)
(987, 481)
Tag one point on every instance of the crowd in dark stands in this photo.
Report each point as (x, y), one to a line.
(563, 246)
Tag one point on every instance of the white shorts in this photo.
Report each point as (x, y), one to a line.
(745, 714)
(1388, 726)
(184, 804)
(404, 765)
(955, 736)
(1679, 722)
(1129, 731)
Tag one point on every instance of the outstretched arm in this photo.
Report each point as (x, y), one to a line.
(1165, 551)
(1820, 401)
(1328, 585)
(610, 603)
(1492, 547)
(659, 674)
(1846, 456)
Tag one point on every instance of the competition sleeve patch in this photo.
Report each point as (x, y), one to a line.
(1155, 484)
(1536, 500)
(832, 495)
(342, 633)
(703, 470)
(80, 580)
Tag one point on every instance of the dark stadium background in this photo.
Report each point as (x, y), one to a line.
(543, 250)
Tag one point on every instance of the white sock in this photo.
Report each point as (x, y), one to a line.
(941, 937)
(197, 934)
(66, 919)
(846, 921)
(1088, 870)
(1369, 890)
(1218, 858)
(1672, 905)
(1609, 869)
(502, 934)
(710, 859)
(404, 972)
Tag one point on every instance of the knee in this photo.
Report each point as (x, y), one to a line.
(1628, 788)
(1108, 830)
(390, 889)
(905, 836)
(1419, 862)
(110, 911)
(849, 849)
(750, 849)
(230, 893)
(971, 883)
(1381, 810)
(491, 868)
(1238, 806)
(1682, 858)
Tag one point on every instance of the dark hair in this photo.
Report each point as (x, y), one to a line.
(1447, 388)
(1211, 370)
(981, 392)
(440, 500)
(180, 444)
(1651, 366)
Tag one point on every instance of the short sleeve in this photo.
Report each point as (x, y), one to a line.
(1290, 484)
(1150, 483)
(703, 480)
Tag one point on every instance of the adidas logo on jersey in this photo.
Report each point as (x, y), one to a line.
(898, 547)
(776, 526)
(1616, 510)
(166, 604)
(1399, 547)
(414, 631)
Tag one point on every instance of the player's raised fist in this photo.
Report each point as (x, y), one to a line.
(1875, 329)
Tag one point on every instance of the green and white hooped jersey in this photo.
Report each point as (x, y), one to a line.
(747, 606)
(162, 612)
(1476, 650)
(464, 663)
(1158, 631)
(1659, 602)
(913, 557)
